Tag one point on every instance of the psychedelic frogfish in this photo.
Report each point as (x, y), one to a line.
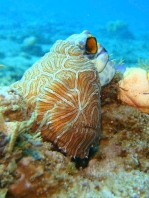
(63, 88)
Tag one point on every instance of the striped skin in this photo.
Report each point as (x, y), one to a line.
(64, 89)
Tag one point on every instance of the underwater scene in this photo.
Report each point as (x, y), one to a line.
(74, 99)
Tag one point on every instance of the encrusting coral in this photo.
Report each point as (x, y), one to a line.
(119, 29)
(13, 115)
(12, 104)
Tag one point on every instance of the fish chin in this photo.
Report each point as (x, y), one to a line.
(101, 61)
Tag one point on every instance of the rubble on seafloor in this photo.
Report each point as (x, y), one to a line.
(119, 167)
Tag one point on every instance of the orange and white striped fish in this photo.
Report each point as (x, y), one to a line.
(63, 87)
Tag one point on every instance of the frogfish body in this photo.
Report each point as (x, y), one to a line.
(63, 88)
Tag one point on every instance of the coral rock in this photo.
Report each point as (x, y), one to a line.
(12, 105)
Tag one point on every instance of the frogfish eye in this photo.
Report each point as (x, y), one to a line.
(91, 45)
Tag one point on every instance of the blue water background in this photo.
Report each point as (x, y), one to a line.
(49, 20)
(90, 13)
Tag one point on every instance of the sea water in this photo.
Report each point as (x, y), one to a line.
(28, 28)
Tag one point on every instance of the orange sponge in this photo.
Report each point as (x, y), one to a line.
(134, 89)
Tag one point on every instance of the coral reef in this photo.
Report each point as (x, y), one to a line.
(12, 104)
(14, 118)
(115, 26)
(117, 167)
(29, 41)
(37, 169)
(119, 29)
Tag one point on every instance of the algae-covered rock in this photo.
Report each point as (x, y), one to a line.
(3, 192)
